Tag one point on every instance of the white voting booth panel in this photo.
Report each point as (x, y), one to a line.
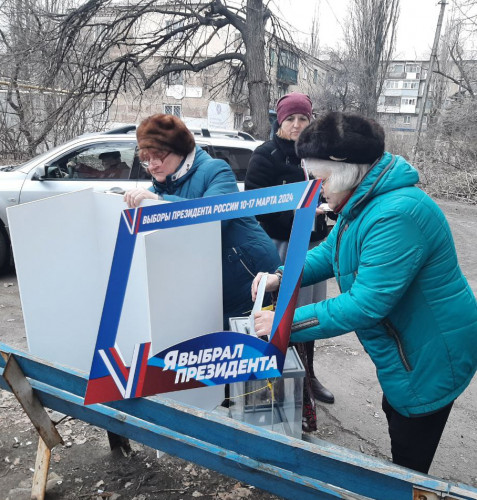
(63, 248)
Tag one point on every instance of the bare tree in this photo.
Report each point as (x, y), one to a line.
(457, 62)
(360, 66)
(370, 38)
(313, 47)
(448, 155)
(143, 42)
(340, 91)
(39, 96)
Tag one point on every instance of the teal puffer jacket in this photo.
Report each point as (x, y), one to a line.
(403, 292)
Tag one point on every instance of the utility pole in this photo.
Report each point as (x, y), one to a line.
(425, 92)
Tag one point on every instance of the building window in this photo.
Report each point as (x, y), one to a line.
(410, 85)
(176, 78)
(288, 59)
(272, 56)
(172, 26)
(412, 68)
(101, 108)
(173, 109)
(408, 102)
(406, 120)
(287, 67)
(238, 121)
(396, 68)
(392, 84)
(391, 100)
(315, 76)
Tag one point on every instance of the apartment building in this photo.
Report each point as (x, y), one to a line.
(402, 95)
(216, 97)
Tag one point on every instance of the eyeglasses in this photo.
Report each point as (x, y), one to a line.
(159, 156)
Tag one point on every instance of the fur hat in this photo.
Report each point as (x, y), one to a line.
(350, 138)
(291, 104)
(165, 132)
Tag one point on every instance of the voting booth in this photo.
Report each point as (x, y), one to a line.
(63, 248)
(133, 296)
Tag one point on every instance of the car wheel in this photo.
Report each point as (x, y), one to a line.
(4, 251)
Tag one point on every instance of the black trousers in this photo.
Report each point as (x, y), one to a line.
(310, 352)
(414, 440)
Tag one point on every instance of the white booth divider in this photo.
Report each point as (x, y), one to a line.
(63, 248)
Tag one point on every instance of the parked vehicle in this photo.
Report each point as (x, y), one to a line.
(80, 163)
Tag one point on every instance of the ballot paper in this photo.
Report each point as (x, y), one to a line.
(258, 303)
(325, 207)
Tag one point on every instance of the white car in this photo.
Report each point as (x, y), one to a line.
(77, 165)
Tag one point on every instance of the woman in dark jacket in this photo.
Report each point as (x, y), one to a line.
(181, 170)
(275, 163)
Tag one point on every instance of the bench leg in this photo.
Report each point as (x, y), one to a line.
(119, 442)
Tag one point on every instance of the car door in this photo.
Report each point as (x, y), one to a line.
(81, 166)
(237, 157)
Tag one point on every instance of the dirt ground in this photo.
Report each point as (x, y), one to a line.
(85, 468)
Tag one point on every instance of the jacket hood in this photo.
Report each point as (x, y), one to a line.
(389, 173)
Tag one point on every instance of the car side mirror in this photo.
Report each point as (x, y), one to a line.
(57, 172)
(39, 174)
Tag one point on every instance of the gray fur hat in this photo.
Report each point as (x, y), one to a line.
(346, 137)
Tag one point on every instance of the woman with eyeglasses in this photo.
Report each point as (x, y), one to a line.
(181, 170)
(272, 164)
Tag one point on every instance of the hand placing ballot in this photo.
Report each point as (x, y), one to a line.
(272, 284)
(261, 321)
(258, 302)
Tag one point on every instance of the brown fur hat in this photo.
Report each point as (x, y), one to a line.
(342, 136)
(165, 132)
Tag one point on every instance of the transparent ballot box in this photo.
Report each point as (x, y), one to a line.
(275, 404)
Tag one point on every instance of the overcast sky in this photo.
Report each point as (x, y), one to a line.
(416, 28)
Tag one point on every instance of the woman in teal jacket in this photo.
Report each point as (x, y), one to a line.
(402, 290)
(181, 170)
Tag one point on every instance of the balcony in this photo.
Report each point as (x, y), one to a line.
(410, 109)
(396, 74)
(392, 92)
(287, 75)
(409, 92)
(382, 108)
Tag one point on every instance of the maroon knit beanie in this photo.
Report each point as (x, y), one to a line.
(165, 132)
(291, 104)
